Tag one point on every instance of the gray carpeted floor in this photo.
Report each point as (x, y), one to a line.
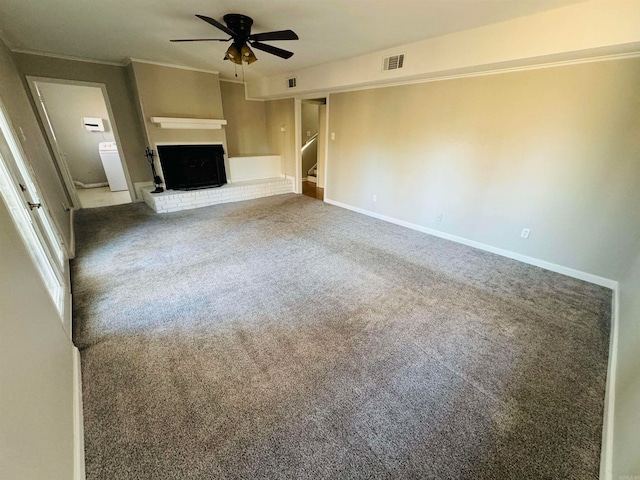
(286, 338)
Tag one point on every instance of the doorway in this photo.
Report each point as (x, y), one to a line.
(312, 150)
(79, 124)
(32, 218)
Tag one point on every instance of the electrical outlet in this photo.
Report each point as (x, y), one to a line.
(439, 218)
(308, 133)
(283, 129)
(333, 135)
(375, 198)
(525, 232)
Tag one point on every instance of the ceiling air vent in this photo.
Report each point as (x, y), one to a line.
(291, 82)
(394, 62)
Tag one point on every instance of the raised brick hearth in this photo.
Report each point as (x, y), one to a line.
(175, 200)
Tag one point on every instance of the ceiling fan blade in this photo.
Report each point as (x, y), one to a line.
(279, 35)
(216, 24)
(272, 50)
(201, 40)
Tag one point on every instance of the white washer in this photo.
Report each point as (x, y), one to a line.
(112, 166)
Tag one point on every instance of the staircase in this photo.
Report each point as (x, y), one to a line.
(312, 174)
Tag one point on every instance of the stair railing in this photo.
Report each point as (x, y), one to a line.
(309, 142)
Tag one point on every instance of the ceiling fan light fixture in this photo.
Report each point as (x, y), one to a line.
(233, 54)
(238, 27)
(247, 54)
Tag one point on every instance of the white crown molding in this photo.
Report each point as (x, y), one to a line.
(248, 98)
(232, 81)
(244, 84)
(104, 62)
(66, 57)
(482, 72)
(170, 65)
(494, 71)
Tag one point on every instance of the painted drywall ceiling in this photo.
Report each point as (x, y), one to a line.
(115, 30)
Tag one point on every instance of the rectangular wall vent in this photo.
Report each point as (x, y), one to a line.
(291, 82)
(394, 62)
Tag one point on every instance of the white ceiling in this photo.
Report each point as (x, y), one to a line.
(115, 30)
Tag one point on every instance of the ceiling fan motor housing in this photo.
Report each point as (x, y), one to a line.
(240, 25)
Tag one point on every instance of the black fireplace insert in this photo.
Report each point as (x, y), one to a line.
(190, 167)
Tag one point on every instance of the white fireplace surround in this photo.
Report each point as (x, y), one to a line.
(239, 168)
(248, 177)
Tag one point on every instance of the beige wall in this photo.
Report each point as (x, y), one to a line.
(281, 114)
(626, 459)
(36, 363)
(36, 374)
(121, 98)
(310, 112)
(66, 106)
(35, 147)
(554, 150)
(246, 122)
(175, 92)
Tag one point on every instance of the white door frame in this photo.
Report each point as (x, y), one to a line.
(297, 107)
(298, 139)
(55, 147)
(33, 219)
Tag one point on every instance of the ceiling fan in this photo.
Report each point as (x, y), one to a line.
(238, 26)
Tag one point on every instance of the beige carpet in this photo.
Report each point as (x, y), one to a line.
(286, 338)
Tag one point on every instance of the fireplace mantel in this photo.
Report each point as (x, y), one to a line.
(189, 123)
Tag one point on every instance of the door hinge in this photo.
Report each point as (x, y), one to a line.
(34, 205)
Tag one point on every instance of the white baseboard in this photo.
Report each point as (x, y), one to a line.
(72, 234)
(78, 424)
(606, 456)
(606, 452)
(570, 272)
(90, 185)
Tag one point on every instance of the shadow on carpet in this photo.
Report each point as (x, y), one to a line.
(286, 338)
